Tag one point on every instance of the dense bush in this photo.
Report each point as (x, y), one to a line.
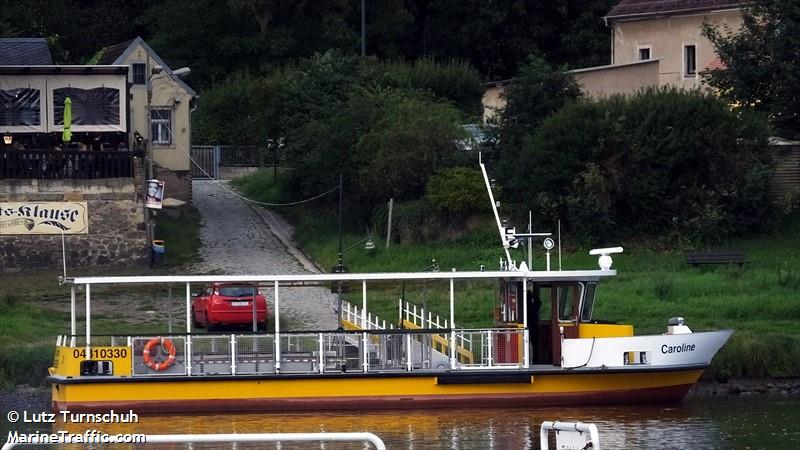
(385, 142)
(455, 80)
(458, 191)
(241, 110)
(662, 162)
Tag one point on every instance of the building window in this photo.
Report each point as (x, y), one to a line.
(161, 126)
(138, 73)
(690, 60)
(644, 53)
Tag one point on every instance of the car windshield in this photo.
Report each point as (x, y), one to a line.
(236, 291)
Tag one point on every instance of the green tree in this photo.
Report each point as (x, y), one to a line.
(662, 163)
(386, 142)
(75, 30)
(240, 110)
(761, 70)
(538, 91)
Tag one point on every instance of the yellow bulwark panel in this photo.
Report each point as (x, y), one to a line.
(67, 361)
(604, 330)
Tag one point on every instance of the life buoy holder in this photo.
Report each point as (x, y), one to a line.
(167, 345)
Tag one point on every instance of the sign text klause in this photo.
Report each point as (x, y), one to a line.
(44, 218)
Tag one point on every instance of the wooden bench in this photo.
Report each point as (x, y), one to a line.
(728, 257)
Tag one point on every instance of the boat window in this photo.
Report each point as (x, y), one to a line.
(568, 299)
(544, 295)
(588, 302)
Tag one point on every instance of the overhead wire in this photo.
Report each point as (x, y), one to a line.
(236, 194)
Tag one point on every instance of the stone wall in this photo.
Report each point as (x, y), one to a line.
(177, 184)
(117, 232)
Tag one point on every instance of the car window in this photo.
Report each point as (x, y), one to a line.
(236, 291)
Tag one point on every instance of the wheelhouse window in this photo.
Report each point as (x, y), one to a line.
(588, 302)
(138, 73)
(644, 53)
(20, 107)
(161, 126)
(690, 60)
(569, 297)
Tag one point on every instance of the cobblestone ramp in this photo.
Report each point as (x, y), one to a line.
(237, 241)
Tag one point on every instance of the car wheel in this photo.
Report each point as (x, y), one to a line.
(262, 326)
(195, 323)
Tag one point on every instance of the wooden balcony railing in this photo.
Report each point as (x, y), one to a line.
(65, 164)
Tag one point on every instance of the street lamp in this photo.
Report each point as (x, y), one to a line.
(369, 245)
(341, 287)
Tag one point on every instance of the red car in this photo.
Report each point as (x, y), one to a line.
(223, 304)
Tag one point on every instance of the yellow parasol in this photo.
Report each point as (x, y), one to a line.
(67, 135)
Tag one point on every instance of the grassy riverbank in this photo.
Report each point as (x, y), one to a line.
(761, 300)
(34, 308)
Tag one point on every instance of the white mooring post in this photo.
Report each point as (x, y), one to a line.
(577, 435)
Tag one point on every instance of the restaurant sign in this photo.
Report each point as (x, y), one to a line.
(44, 218)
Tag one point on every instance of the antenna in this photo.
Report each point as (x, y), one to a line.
(559, 244)
(530, 242)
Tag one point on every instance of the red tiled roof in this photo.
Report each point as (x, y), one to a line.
(644, 8)
(716, 64)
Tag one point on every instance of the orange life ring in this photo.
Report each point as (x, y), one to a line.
(167, 345)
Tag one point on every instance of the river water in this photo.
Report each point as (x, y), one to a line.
(744, 422)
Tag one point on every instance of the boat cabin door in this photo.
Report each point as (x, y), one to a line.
(557, 319)
(552, 313)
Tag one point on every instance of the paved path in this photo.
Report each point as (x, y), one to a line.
(238, 239)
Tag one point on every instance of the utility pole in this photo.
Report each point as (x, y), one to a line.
(363, 29)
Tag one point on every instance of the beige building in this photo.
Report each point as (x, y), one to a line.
(670, 31)
(169, 127)
(653, 43)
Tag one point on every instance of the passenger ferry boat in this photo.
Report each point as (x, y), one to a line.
(565, 357)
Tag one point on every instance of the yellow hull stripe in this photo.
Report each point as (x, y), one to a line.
(358, 387)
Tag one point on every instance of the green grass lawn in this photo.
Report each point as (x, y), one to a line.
(34, 308)
(180, 235)
(760, 300)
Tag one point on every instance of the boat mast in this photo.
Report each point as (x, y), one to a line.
(500, 228)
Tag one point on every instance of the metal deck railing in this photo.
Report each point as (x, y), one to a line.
(370, 351)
